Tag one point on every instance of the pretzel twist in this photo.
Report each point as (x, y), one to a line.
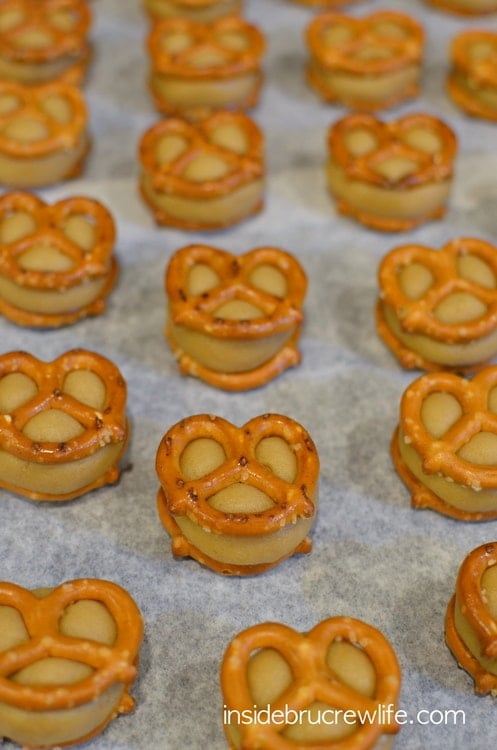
(312, 679)
(470, 597)
(110, 664)
(472, 74)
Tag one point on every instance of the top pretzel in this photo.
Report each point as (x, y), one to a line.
(365, 63)
(44, 41)
(202, 11)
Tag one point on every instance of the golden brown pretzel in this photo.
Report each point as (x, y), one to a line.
(205, 54)
(419, 315)
(471, 601)
(424, 146)
(366, 48)
(439, 454)
(111, 664)
(312, 681)
(47, 227)
(58, 48)
(182, 495)
(101, 427)
(465, 7)
(168, 178)
(196, 311)
(472, 81)
(195, 10)
(330, 4)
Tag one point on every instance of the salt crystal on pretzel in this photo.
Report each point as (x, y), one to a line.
(43, 134)
(199, 68)
(365, 63)
(239, 500)
(203, 176)
(68, 656)
(203, 11)
(301, 685)
(391, 176)
(445, 445)
(471, 619)
(465, 7)
(472, 81)
(44, 41)
(437, 309)
(234, 321)
(56, 262)
(63, 425)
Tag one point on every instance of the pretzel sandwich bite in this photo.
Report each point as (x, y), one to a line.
(43, 134)
(472, 81)
(438, 308)
(365, 63)
(199, 68)
(63, 427)
(238, 499)
(391, 176)
(471, 619)
(201, 11)
(207, 175)
(56, 262)
(445, 446)
(68, 656)
(234, 321)
(301, 685)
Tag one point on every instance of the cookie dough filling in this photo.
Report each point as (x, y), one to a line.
(201, 11)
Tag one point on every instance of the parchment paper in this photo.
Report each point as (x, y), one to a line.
(374, 557)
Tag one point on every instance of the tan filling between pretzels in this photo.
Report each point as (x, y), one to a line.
(83, 619)
(180, 94)
(366, 89)
(485, 95)
(466, 632)
(33, 73)
(269, 676)
(201, 12)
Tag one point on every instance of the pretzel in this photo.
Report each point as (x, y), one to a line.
(199, 68)
(471, 622)
(365, 63)
(44, 41)
(341, 665)
(465, 7)
(88, 624)
(443, 446)
(203, 176)
(43, 133)
(234, 321)
(202, 11)
(78, 234)
(472, 81)
(62, 424)
(391, 176)
(438, 309)
(330, 4)
(238, 500)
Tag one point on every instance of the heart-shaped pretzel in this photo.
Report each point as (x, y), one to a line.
(415, 321)
(391, 175)
(470, 624)
(198, 68)
(443, 445)
(89, 267)
(312, 681)
(238, 537)
(203, 11)
(82, 388)
(206, 175)
(42, 42)
(47, 713)
(465, 7)
(366, 63)
(472, 81)
(240, 348)
(43, 133)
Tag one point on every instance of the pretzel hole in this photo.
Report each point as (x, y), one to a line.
(481, 50)
(201, 279)
(423, 140)
(360, 142)
(52, 671)
(476, 270)
(395, 168)
(33, 38)
(205, 167)
(240, 499)
(86, 387)
(13, 631)
(58, 108)
(205, 57)
(439, 412)
(231, 137)
(44, 258)
(276, 455)
(11, 18)
(52, 426)
(16, 225)
(88, 619)
(238, 309)
(233, 41)
(350, 664)
(64, 20)
(268, 676)
(80, 229)
(390, 30)
(459, 307)
(169, 148)
(414, 280)
(373, 52)
(200, 457)
(481, 449)
(26, 130)
(16, 389)
(174, 44)
(488, 586)
(336, 35)
(9, 103)
(269, 279)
